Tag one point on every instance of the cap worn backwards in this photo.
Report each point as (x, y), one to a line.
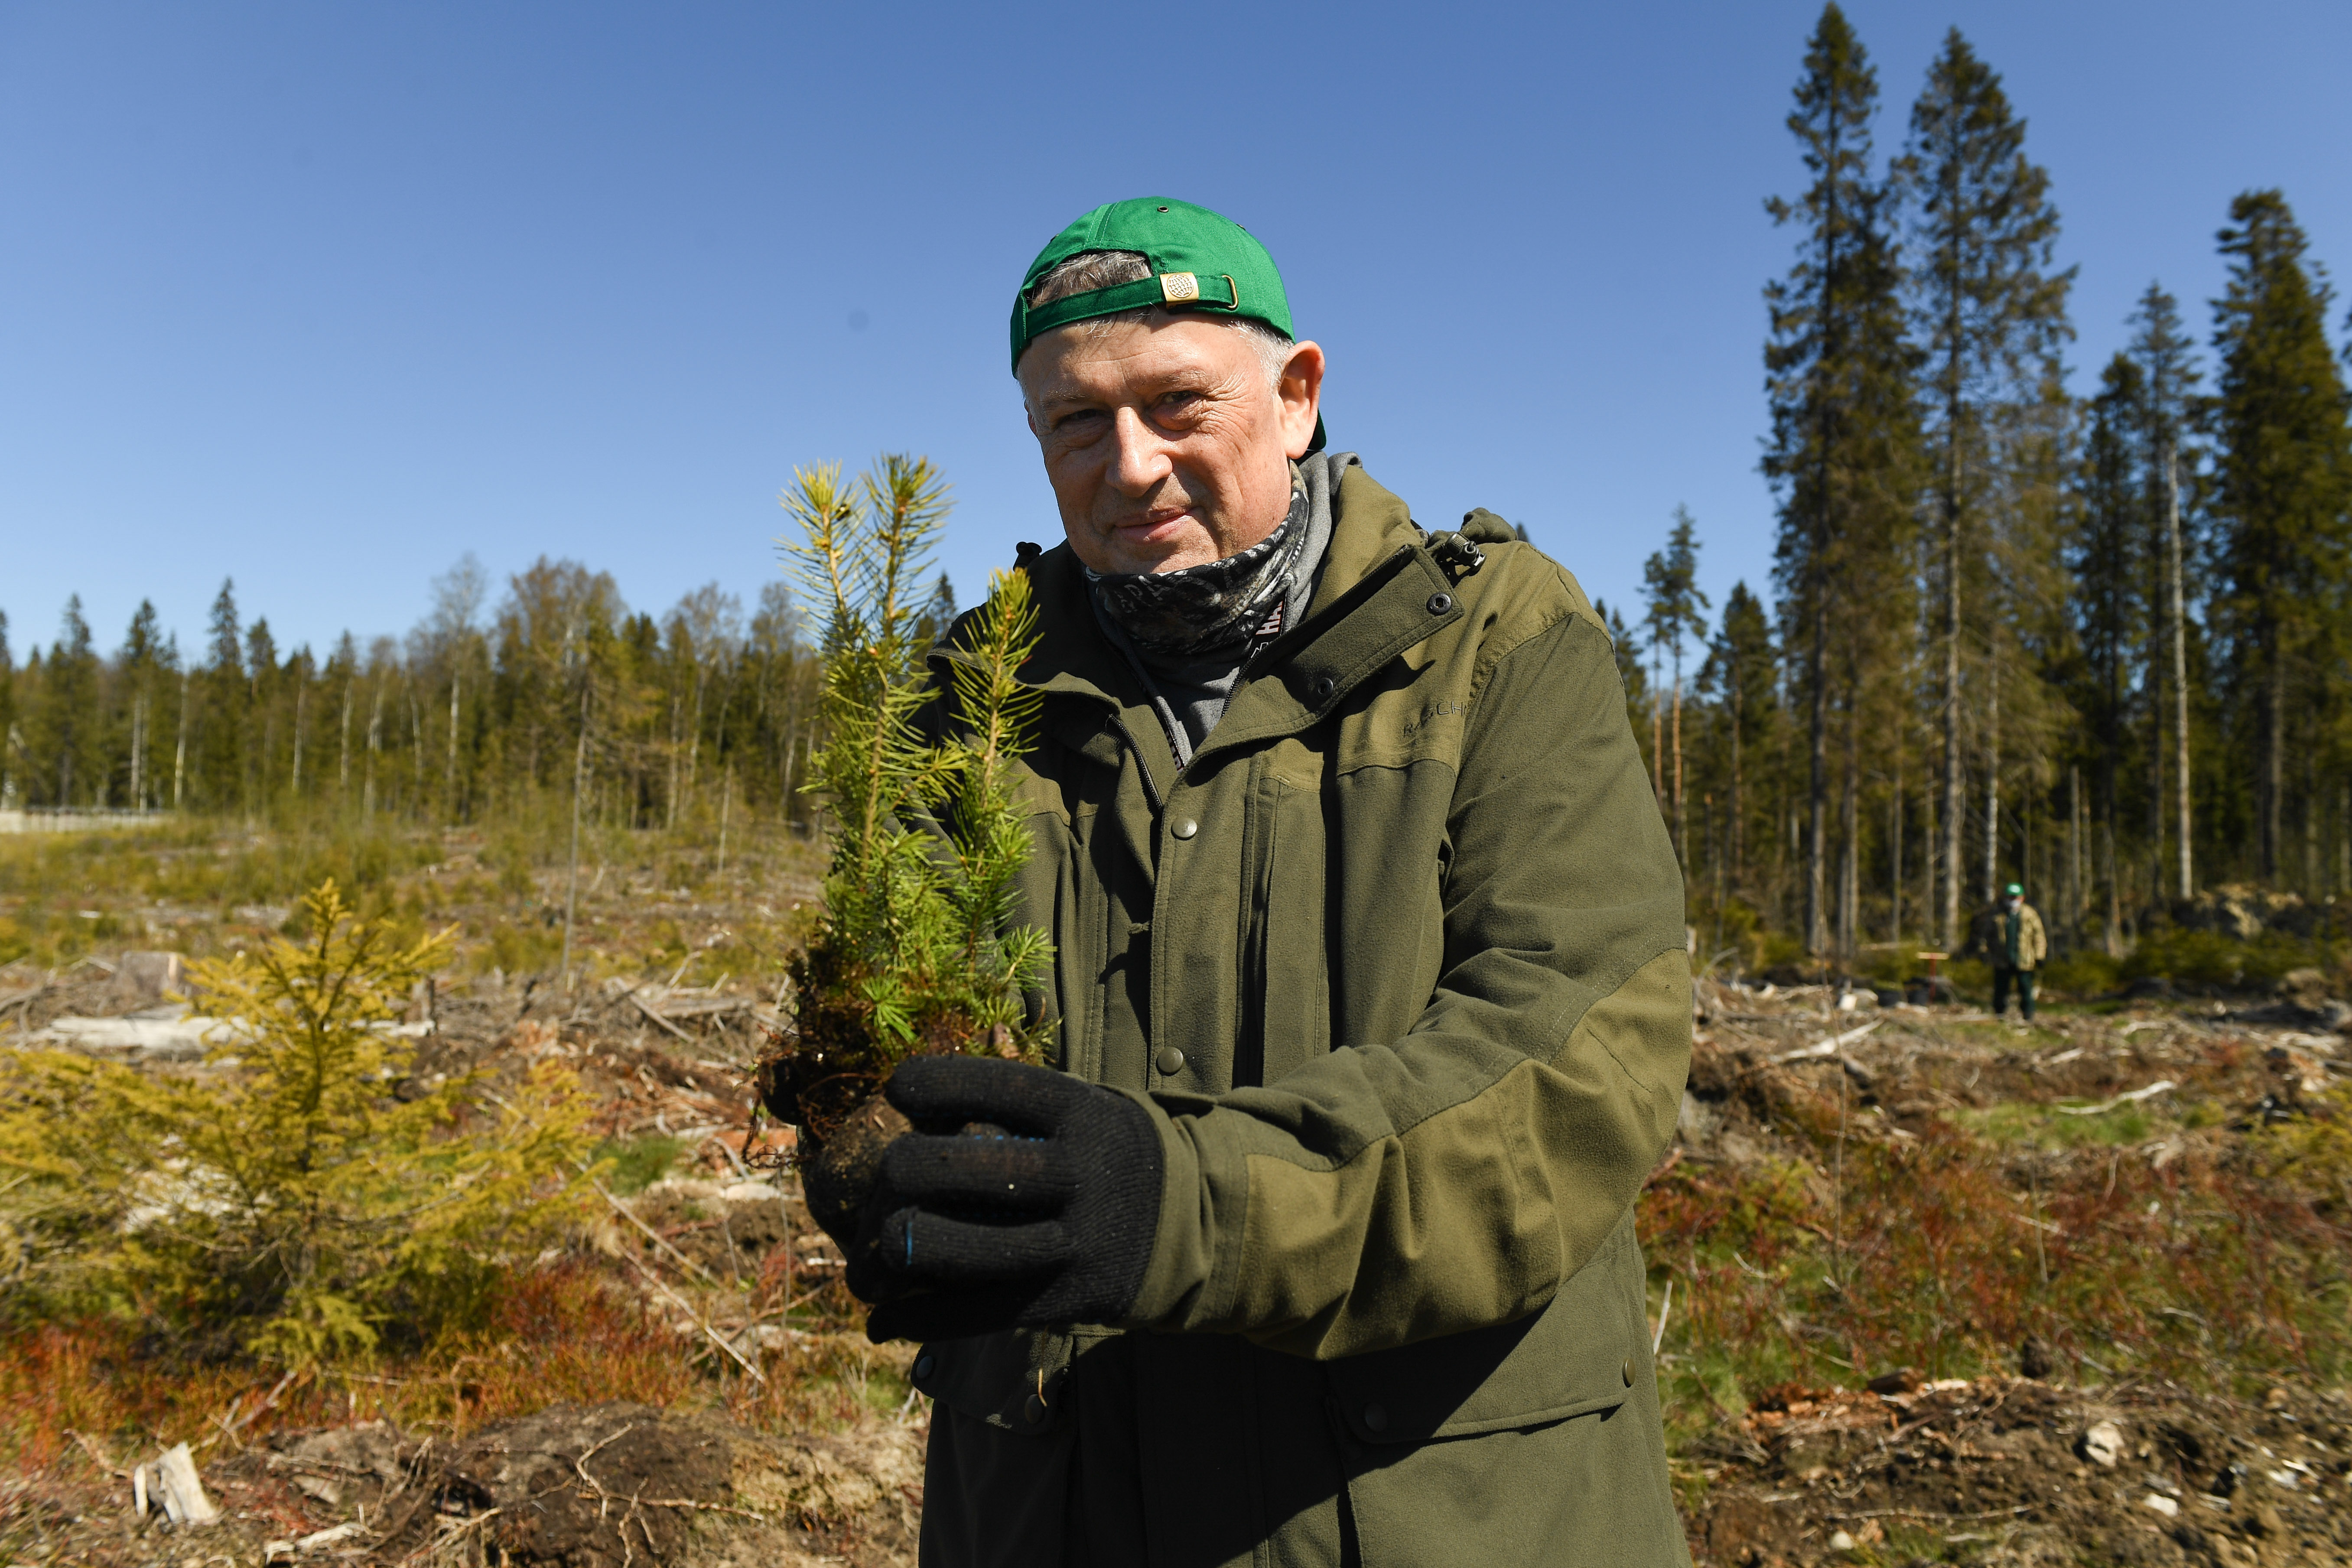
(1199, 261)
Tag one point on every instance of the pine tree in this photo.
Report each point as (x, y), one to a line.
(1842, 447)
(1670, 580)
(2283, 485)
(1992, 316)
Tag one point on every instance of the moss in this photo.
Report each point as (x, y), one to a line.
(639, 1162)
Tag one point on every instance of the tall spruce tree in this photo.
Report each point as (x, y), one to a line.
(69, 704)
(1841, 454)
(1741, 679)
(217, 764)
(1991, 315)
(2109, 603)
(138, 667)
(2283, 486)
(2168, 415)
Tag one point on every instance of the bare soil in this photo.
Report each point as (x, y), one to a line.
(1999, 1470)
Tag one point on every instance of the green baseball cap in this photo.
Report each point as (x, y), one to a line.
(1200, 260)
(2014, 892)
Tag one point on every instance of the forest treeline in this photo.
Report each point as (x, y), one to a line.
(481, 712)
(2098, 645)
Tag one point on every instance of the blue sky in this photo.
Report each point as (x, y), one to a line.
(321, 297)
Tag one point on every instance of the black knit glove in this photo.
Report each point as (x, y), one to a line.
(1024, 1197)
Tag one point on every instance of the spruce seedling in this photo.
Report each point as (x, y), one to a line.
(916, 953)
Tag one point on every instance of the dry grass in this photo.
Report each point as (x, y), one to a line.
(573, 1330)
(2205, 1242)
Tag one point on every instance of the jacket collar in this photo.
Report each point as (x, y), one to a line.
(1379, 593)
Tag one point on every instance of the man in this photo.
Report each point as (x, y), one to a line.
(2009, 934)
(1369, 998)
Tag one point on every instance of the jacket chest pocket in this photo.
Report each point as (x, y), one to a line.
(1284, 955)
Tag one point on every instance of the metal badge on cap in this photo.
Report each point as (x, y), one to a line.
(1179, 287)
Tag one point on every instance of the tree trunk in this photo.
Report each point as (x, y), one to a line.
(1894, 850)
(1658, 753)
(1818, 789)
(2074, 851)
(180, 751)
(2274, 758)
(1682, 823)
(579, 780)
(1992, 777)
(449, 783)
(1952, 810)
(1929, 841)
(375, 744)
(2180, 665)
(1850, 851)
(1739, 798)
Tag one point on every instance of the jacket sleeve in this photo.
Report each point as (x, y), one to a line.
(1453, 1178)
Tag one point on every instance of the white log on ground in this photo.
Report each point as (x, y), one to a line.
(184, 1491)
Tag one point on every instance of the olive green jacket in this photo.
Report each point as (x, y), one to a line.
(1993, 937)
(1397, 964)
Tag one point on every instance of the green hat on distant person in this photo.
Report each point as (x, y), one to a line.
(2014, 890)
(1200, 260)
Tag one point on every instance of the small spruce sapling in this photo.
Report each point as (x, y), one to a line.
(289, 1204)
(917, 952)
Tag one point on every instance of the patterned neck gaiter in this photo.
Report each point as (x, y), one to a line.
(1190, 633)
(1202, 609)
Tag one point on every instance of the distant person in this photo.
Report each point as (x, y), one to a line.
(2009, 935)
(1315, 1243)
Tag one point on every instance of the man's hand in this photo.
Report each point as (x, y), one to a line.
(1024, 1197)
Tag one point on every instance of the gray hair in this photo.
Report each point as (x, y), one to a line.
(1092, 270)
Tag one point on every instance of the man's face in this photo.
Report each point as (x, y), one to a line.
(1165, 447)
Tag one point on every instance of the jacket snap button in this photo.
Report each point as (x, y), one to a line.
(1324, 686)
(923, 1365)
(1440, 603)
(1033, 1410)
(1170, 1060)
(1628, 1371)
(1186, 828)
(1376, 1418)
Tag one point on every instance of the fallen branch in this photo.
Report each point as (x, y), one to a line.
(657, 1019)
(1830, 1047)
(1925, 1513)
(2150, 1092)
(710, 1333)
(651, 1233)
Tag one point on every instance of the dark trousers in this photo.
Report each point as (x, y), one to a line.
(2002, 979)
